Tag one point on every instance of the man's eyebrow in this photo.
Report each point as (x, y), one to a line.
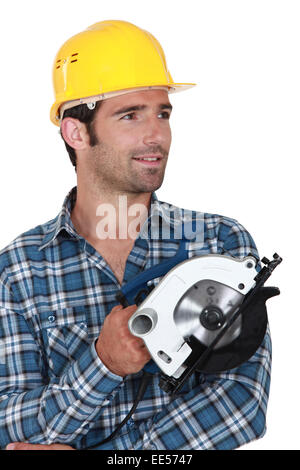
(128, 109)
(166, 106)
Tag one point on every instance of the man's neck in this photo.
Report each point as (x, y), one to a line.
(114, 216)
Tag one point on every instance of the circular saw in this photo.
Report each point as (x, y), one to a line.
(206, 314)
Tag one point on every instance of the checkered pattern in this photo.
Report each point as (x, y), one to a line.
(55, 291)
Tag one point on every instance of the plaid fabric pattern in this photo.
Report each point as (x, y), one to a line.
(55, 291)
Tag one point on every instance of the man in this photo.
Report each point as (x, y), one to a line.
(70, 369)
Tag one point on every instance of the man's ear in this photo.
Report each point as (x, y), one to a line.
(75, 133)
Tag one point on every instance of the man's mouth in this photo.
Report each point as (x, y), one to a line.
(152, 160)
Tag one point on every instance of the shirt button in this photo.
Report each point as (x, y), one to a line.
(131, 423)
(51, 318)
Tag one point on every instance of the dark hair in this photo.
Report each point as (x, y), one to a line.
(85, 115)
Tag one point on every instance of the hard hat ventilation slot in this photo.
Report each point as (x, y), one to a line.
(58, 63)
(74, 55)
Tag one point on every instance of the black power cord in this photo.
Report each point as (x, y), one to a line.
(141, 391)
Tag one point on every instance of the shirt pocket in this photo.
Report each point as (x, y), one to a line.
(65, 338)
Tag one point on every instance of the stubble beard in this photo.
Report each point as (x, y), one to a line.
(108, 175)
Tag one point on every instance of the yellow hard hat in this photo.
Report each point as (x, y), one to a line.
(107, 59)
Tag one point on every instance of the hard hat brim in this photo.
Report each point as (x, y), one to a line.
(58, 108)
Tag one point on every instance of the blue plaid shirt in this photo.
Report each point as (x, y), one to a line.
(55, 291)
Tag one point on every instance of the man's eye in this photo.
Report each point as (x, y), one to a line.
(165, 115)
(128, 117)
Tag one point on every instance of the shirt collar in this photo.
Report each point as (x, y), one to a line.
(63, 220)
(170, 223)
(164, 222)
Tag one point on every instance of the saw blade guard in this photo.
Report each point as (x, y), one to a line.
(204, 309)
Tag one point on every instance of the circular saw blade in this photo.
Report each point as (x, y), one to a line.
(204, 310)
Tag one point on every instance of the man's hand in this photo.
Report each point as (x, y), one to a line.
(120, 351)
(25, 446)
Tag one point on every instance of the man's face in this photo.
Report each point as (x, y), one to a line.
(128, 128)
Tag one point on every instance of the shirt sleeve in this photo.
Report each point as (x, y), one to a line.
(32, 410)
(227, 409)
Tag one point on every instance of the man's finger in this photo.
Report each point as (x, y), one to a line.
(25, 446)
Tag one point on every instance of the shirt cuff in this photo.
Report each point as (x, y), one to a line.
(91, 379)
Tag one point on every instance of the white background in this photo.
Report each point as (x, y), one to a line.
(235, 147)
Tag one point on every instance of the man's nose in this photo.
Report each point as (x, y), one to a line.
(155, 132)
